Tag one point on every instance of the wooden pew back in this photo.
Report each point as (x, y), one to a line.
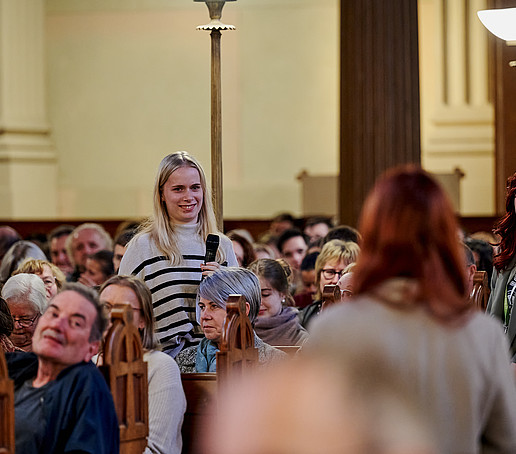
(6, 409)
(126, 374)
(331, 295)
(480, 293)
(237, 356)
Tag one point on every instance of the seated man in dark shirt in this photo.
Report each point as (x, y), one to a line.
(62, 402)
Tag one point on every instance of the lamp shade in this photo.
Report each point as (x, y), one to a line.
(501, 23)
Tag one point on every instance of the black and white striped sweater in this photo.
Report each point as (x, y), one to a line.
(173, 288)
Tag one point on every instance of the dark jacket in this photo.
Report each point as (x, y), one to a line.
(78, 410)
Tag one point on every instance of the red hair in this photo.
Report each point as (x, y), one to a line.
(409, 230)
(506, 228)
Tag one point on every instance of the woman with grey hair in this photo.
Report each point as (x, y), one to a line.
(212, 295)
(25, 295)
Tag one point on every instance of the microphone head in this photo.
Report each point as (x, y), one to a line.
(212, 244)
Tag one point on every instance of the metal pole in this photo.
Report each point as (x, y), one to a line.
(216, 128)
(216, 26)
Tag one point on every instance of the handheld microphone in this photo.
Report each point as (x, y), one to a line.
(212, 244)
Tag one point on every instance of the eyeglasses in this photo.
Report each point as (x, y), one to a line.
(26, 322)
(330, 273)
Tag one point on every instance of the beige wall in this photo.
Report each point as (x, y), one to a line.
(128, 82)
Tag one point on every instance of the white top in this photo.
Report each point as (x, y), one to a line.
(460, 377)
(167, 404)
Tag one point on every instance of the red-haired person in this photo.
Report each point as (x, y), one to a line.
(503, 281)
(410, 306)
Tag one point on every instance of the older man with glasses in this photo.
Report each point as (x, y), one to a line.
(26, 297)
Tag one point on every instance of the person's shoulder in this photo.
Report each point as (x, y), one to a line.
(21, 365)
(161, 362)
(84, 375)
(266, 352)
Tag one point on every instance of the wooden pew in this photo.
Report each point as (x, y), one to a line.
(331, 295)
(126, 374)
(6, 409)
(237, 356)
(480, 293)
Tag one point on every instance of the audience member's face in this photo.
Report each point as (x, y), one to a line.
(85, 243)
(316, 232)
(294, 251)
(49, 280)
(59, 256)
(118, 294)
(93, 273)
(345, 285)
(330, 273)
(271, 300)
(239, 252)
(212, 319)
(183, 195)
(25, 321)
(63, 332)
(278, 227)
(118, 253)
(308, 278)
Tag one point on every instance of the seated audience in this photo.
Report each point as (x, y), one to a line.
(316, 228)
(27, 300)
(84, 241)
(343, 233)
(411, 307)
(121, 242)
(61, 401)
(280, 223)
(52, 277)
(8, 236)
(264, 251)
(471, 268)
(99, 268)
(57, 245)
(307, 296)
(6, 327)
(483, 253)
(335, 256)
(277, 322)
(292, 247)
(243, 249)
(212, 296)
(346, 283)
(167, 403)
(16, 255)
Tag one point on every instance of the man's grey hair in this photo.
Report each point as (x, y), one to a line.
(88, 226)
(230, 281)
(28, 288)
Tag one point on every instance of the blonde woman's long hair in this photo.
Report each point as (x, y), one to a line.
(160, 228)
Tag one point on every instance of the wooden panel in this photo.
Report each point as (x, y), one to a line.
(6, 409)
(380, 120)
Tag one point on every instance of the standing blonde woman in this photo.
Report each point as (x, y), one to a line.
(168, 254)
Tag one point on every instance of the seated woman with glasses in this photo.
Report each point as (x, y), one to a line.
(335, 257)
(277, 322)
(26, 297)
(52, 277)
(167, 402)
(212, 296)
